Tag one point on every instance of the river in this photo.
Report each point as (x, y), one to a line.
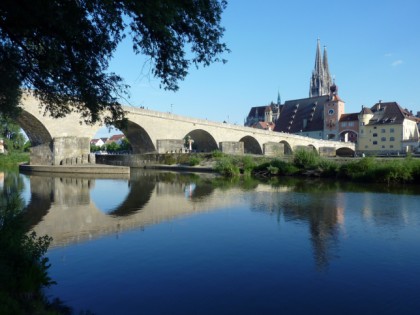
(177, 243)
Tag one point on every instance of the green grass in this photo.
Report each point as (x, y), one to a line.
(13, 159)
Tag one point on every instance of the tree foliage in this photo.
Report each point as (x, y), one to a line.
(60, 49)
(10, 132)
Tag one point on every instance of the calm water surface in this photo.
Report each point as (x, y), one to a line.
(165, 243)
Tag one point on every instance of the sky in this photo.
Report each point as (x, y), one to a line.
(373, 50)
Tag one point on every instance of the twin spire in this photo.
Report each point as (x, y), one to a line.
(321, 78)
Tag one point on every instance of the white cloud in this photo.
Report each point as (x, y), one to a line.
(388, 55)
(396, 63)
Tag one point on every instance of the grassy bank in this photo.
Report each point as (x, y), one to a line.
(13, 159)
(309, 163)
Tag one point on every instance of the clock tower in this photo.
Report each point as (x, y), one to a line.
(333, 109)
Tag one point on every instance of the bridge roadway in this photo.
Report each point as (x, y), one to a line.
(146, 128)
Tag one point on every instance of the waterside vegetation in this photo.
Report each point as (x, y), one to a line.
(310, 164)
(23, 265)
(13, 159)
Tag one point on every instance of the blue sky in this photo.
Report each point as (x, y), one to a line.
(373, 50)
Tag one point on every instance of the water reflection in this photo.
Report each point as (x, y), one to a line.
(67, 209)
(74, 209)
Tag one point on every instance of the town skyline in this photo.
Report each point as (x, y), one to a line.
(372, 56)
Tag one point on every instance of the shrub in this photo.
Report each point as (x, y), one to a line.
(305, 159)
(226, 166)
(248, 165)
(217, 154)
(194, 160)
(169, 159)
(23, 267)
(328, 168)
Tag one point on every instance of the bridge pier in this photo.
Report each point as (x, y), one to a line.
(63, 151)
(232, 147)
(273, 149)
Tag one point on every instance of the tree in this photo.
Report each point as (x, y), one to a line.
(125, 145)
(59, 49)
(11, 133)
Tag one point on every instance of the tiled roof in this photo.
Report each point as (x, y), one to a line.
(366, 110)
(295, 112)
(389, 113)
(258, 111)
(349, 117)
(116, 137)
(264, 125)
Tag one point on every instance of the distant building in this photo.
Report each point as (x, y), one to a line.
(387, 128)
(97, 142)
(316, 117)
(349, 127)
(115, 138)
(384, 128)
(268, 114)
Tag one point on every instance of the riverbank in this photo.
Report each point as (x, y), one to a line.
(94, 169)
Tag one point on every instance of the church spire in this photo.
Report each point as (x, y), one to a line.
(327, 75)
(318, 69)
(278, 98)
(321, 78)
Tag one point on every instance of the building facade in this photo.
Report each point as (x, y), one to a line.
(267, 114)
(387, 128)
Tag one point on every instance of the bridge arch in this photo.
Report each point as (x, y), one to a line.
(312, 148)
(348, 135)
(344, 151)
(139, 138)
(203, 140)
(251, 145)
(287, 148)
(34, 129)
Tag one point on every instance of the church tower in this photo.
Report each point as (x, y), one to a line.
(321, 79)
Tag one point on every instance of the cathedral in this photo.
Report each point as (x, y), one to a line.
(321, 79)
(386, 128)
(318, 115)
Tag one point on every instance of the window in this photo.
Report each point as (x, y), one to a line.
(343, 124)
(383, 139)
(375, 134)
(391, 146)
(391, 139)
(375, 142)
(391, 130)
(383, 130)
(362, 131)
(374, 127)
(351, 123)
(366, 146)
(383, 147)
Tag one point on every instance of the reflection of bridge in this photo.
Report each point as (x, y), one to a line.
(63, 207)
(57, 139)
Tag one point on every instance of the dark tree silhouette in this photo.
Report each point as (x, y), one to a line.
(60, 49)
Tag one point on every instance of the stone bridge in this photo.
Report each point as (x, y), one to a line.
(56, 141)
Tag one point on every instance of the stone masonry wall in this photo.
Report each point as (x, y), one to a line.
(273, 149)
(66, 148)
(170, 145)
(232, 147)
(41, 155)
